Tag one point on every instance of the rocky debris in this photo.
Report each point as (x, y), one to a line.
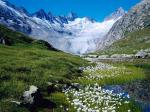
(122, 56)
(141, 54)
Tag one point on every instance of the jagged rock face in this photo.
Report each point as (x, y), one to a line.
(72, 16)
(137, 18)
(62, 19)
(41, 14)
(13, 20)
(118, 13)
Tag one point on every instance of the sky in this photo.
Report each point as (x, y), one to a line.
(95, 9)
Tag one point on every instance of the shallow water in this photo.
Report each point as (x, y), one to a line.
(119, 89)
(144, 106)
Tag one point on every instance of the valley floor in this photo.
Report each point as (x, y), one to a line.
(102, 86)
(111, 87)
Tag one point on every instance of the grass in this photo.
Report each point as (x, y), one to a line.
(125, 73)
(25, 62)
(143, 64)
(130, 44)
(132, 106)
(116, 76)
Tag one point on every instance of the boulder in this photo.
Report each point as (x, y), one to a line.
(29, 96)
(2, 41)
(33, 99)
(141, 54)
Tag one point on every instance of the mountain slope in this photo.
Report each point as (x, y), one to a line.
(137, 18)
(130, 44)
(25, 62)
(12, 38)
(118, 13)
(68, 33)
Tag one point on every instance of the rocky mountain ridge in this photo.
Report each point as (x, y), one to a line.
(137, 18)
(118, 13)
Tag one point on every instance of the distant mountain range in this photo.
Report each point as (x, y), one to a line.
(68, 33)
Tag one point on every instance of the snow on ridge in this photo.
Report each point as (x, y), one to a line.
(3, 4)
(85, 33)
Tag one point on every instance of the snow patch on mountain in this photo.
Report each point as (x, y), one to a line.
(3, 4)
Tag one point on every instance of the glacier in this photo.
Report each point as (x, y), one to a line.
(85, 33)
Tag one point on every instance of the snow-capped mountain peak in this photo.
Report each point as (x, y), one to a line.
(23, 10)
(117, 14)
(41, 14)
(72, 16)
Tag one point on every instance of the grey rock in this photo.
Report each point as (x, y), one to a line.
(118, 13)
(28, 96)
(141, 54)
(137, 18)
